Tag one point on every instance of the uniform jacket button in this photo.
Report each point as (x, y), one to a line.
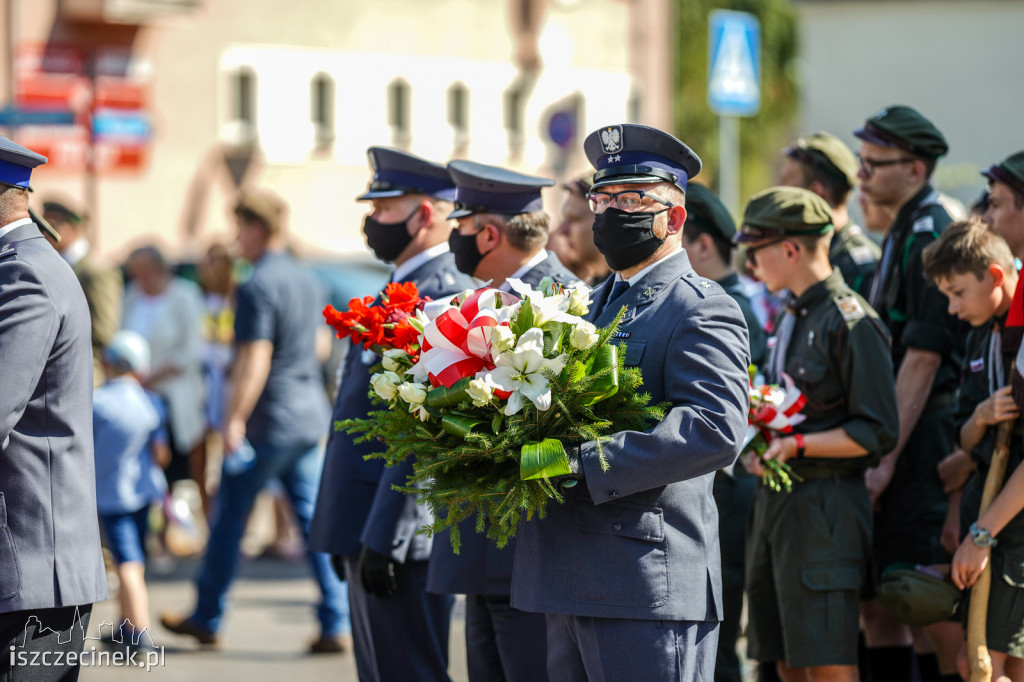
(617, 525)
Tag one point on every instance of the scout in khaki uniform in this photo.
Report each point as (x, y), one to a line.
(974, 267)
(707, 238)
(823, 164)
(808, 550)
(898, 152)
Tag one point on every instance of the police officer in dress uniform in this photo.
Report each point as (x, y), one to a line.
(628, 568)
(898, 151)
(808, 553)
(823, 164)
(502, 233)
(707, 238)
(400, 631)
(51, 570)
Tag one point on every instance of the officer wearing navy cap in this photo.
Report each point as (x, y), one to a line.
(502, 231)
(898, 152)
(50, 563)
(824, 164)
(1005, 212)
(628, 569)
(707, 239)
(369, 529)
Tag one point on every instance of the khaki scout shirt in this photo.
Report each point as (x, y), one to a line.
(838, 357)
(856, 256)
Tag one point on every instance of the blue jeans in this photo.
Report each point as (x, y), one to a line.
(298, 468)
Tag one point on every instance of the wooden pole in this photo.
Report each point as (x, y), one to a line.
(977, 617)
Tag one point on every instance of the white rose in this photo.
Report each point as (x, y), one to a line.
(583, 336)
(395, 359)
(415, 394)
(480, 392)
(579, 301)
(502, 339)
(385, 384)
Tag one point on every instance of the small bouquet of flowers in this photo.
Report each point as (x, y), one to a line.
(501, 384)
(774, 409)
(384, 327)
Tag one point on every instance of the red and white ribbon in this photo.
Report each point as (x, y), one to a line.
(781, 409)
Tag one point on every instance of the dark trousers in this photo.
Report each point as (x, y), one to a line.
(401, 637)
(734, 497)
(504, 644)
(583, 649)
(35, 644)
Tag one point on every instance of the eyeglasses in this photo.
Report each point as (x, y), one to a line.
(630, 201)
(869, 165)
(752, 250)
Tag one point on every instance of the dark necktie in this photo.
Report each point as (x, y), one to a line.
(618, 289)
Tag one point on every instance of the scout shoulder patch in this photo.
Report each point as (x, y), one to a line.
(978, 364)
(850, 308)
(924, 224)
(862, 255)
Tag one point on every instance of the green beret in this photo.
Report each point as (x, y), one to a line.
(781, 211)
(828, 154)
(901, 127)
(1009, 172)
(706, 211)
(917, 597)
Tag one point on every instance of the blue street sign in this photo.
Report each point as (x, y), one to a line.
(562, 128)
(115, 123)
(734, 63)
(10, 116)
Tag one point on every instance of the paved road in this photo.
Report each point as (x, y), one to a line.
(266, 631)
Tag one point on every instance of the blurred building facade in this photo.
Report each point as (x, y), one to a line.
(176, 103)
(958, 62)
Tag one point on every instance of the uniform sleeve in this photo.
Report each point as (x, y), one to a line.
(706, 382)
(866, 372)
(929, 327)
(28, 327)
(255, 315)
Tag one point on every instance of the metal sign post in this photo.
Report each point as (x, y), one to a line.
(734, 90)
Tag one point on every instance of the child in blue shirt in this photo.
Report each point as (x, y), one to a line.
(131, 443)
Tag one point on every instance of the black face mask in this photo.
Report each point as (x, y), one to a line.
(464, 248)
(387, 240)
(626, 239)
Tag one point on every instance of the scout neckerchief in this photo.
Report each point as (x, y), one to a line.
(885, 287)
(777, 359)
(996, 373)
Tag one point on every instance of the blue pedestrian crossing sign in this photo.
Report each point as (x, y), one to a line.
(734, 63)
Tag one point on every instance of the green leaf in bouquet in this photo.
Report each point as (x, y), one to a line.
(553, 338)
(605, 383)
(459, 424)
(524, 319)
(543, 460)
(443, 396)
(496, 423)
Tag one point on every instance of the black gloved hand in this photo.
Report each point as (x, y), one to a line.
(572, 453)
(338, 564)
(377, 573)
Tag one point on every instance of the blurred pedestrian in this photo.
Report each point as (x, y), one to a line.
(573, 239)
(167, 311)
(51, 568)
(823, 164)
(103, 285)
(1005, 209)
(131, 444)
(275, 414)
(898, 153)
(370, 529)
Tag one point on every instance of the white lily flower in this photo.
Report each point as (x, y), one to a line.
(385, 384)
(579, 300)
(583, 336)
(503, 339)
(420, 412)
(415, 394)
(521, 372)
(545, 308)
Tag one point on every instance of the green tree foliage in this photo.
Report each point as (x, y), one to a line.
(761, 136)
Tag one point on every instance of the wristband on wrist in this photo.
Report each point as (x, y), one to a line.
(801, 448)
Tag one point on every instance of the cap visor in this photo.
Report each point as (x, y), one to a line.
(871, 137)
(460, 213)
(741, 238)
(380, 194)
(628, 180)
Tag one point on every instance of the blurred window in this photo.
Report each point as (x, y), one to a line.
(322, 110)
(243, 102)
(398, 112)
(515, 101)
